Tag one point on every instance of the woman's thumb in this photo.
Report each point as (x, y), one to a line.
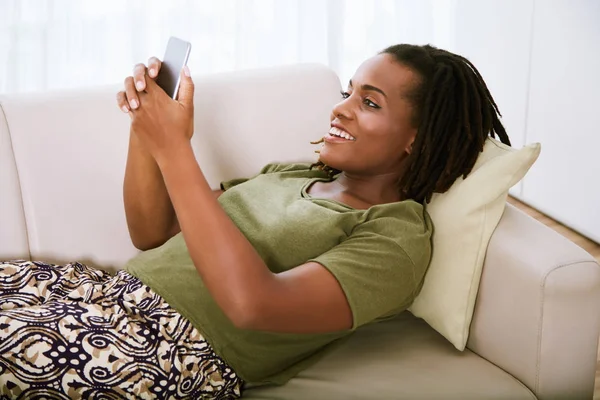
(186, 88)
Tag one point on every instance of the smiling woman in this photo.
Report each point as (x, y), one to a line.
(249, 285)
(419, 116)
(376, 114)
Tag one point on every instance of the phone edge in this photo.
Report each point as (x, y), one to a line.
(185, 60)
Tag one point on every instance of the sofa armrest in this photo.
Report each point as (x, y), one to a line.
(537, 314)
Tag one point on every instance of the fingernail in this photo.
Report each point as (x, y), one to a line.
(139, 85)
(152, 72)
(125, 109)
(186, 71)
(133, 103)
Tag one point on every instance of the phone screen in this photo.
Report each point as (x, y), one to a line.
(176, 57)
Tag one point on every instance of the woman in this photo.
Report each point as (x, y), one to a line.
(250, 284)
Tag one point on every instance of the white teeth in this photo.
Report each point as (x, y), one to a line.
(334, 131)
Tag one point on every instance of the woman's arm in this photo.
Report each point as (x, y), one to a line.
(305, 299)
(150, 215)
(151, 219)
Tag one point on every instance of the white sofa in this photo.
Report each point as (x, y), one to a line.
(537, 318)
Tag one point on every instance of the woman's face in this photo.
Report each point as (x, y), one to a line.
(376, 114)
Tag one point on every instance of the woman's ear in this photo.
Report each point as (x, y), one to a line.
(409, 146)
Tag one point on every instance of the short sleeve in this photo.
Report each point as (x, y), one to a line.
(381, 266)
(267, 169)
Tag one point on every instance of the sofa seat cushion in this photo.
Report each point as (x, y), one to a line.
(402, 358)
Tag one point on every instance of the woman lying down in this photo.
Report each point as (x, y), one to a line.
(248, 285)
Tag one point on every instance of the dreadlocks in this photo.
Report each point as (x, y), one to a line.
(454, 113)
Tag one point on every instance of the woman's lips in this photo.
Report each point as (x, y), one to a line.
(337, 135)
(337, 131)
(329, 138)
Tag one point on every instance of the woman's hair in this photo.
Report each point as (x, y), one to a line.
(454, 113)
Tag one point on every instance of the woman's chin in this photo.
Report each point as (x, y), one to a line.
(331, 160)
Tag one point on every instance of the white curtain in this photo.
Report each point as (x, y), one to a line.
(61, 44)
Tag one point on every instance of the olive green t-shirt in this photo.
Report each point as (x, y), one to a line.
(379, 256)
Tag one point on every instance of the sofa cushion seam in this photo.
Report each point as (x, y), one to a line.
(19, 183)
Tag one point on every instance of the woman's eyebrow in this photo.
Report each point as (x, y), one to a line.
(369, 87)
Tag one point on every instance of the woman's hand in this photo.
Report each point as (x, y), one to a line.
(162, 124)
(128, 99)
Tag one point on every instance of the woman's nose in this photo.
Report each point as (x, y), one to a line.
(342, 109)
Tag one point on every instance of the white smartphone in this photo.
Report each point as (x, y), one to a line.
(176, 57)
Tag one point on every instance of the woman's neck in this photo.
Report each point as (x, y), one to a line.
(377, 189)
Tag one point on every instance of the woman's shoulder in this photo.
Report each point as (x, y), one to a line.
(399, 212)
(405, 223)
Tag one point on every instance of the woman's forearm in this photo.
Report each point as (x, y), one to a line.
(150, 216)
(230, 267)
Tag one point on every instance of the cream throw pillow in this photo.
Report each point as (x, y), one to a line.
(464, 219)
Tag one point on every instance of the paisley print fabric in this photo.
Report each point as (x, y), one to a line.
(74, 332)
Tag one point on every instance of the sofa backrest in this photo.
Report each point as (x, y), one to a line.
(70, 148)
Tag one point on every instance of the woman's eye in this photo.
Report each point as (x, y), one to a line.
(371, 104)
(367, 102)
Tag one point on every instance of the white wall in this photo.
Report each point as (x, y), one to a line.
(495, 37)
(564, 113)
(541, 61)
